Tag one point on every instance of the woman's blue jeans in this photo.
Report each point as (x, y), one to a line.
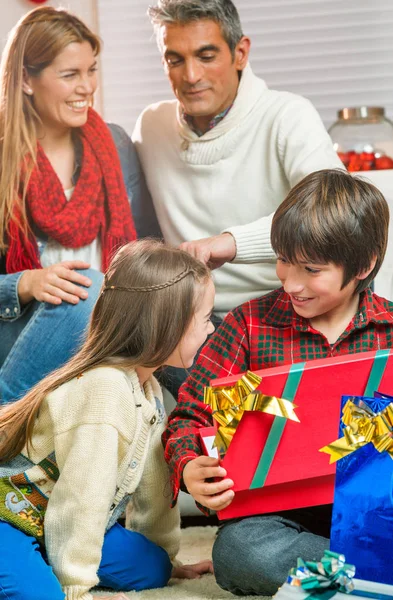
(41, 340)
(129, 562)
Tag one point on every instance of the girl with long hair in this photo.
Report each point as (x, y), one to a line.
(64, 207)
(85, 442)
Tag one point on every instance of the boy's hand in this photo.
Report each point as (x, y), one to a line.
(215, 495)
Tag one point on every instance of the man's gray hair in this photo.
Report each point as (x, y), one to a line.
(222, 12)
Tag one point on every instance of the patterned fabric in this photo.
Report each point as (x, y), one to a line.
(24, 497)
(212, 123)
(263, 333)
(98, 206)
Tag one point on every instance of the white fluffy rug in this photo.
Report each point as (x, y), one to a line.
(196, 544)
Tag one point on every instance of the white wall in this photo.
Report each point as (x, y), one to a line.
(12, 10)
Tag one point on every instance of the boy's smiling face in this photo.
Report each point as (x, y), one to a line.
(316, 290)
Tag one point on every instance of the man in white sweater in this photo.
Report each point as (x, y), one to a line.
(220, 158)
(225, 153)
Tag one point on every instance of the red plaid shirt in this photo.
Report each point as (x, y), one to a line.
(262, 333)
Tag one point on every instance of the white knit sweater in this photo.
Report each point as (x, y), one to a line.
(233, 177)
(106, 433)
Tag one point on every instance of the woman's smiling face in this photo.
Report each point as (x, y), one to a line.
(64, 90)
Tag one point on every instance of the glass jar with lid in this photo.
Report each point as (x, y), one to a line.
(363, 138)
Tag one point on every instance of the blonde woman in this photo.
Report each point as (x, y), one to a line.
(64, 205)
(86, 441)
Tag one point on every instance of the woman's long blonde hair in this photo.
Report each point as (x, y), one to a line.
(32, 46)
(147, 301)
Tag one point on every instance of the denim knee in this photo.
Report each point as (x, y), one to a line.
(24, 573)
(84, 306)
(153, 571)
(56, 333)
(29, 592)
(96, 280)
(161, 574)
(130, 561)
(253, 555)
(77, 315)
(235, 569)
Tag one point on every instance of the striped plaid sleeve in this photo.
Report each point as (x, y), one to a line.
(225, 353)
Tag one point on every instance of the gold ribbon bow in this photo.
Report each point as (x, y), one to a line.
(229, 403)
(362, 426)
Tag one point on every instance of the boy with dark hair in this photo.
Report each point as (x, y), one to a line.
(330, 237)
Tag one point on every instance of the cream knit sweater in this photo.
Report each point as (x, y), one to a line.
(233, 177)
(106, 433)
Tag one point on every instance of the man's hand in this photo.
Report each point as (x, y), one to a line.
(215, 495)
(192, 571)
(213, 251)
(55, 284)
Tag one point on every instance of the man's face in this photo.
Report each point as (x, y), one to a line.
(202, 71)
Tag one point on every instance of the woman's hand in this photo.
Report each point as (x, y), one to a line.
(192, 571)
(55, 284)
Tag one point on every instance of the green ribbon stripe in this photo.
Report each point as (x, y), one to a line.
(377, 371)
(277, 429)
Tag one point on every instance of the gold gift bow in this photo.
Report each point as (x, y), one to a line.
(229, 403)
(362, 426)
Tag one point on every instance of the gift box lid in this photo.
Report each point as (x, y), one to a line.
(292, 473)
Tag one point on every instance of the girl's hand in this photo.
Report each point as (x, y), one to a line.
(117, 597)
(193, 571)
(55, 283)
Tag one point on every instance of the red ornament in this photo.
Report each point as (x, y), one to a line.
(365, 161)
(37, 1)
(384, 162)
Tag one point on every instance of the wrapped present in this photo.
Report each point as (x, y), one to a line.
(362, 523)
(330, 573)
(331, 577)
(274, 460)
(363, 589)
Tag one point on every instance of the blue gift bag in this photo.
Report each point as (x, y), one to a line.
(362, 522)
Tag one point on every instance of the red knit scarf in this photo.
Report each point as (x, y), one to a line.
(98, 206)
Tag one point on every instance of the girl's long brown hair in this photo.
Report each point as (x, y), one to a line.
(32, 46)
(147, 301)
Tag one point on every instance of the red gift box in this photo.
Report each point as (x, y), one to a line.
(292, 473)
